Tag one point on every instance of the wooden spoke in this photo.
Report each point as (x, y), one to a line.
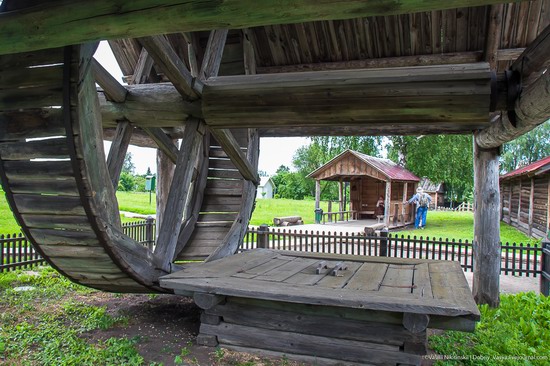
(118, 150)
(164, 142)
(179, 190)
(169, 62)
(233, 151)
(214, 52)
(114, 91)
(143, 67)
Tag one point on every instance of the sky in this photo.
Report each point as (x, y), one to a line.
(274, 151)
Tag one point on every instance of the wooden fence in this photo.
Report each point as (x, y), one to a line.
(517, 259)
(17, 252)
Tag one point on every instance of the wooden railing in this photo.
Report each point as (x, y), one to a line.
(16, 252)
(339, 216)
(517, 259)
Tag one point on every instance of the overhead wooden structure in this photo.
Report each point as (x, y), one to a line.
(211, 73)
(371, 178)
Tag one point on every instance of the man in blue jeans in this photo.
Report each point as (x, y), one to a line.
(422, 201)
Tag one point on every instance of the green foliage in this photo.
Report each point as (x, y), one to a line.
(40, 327)
(526, 149)
(128, 165)
(440, 158)
(8, 225)
(137, 202)
(289, 184)
(127, 182)
(516, 333)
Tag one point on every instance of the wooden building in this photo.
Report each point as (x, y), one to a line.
(435, 190)
(370, 178)
(525, 197)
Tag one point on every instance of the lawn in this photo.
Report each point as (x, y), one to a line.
(267, 209)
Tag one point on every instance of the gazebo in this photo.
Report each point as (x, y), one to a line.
(370, 177)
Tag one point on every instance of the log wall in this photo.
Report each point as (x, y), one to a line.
(525, 204)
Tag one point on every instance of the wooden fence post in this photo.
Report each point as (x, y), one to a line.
(263, 236)
(384, 243)
(149, 222)
(545, 275)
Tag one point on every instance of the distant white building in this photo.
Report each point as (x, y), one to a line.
(266, 188)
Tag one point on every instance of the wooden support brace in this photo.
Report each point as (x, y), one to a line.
(143, 67)
(114, 91)
(164, 142)
(118, 150)
(232, 149)
(536, 56)
(213, 55)
(169, 62)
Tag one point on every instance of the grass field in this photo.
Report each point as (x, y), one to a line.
(456, 225)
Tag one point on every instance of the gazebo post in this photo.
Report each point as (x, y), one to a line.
(317, 194)
(387, 203)
(486, 244)
(405, 186)
(341, 199)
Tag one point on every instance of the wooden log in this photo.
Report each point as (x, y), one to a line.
(459, 93)
(163, 142)
(149, 105)
(486, 245)
(535, 57)
(112, 88)
(532, 108)
(21, 125)
(415, 323)
(143, 69)
(169, 62)
(179, 190)
(207, 301)
(117, 152)
(213, 55)
(59, 23)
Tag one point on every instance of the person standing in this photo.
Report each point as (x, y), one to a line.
(422, 201)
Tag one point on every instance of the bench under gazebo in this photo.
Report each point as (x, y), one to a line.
(370, 178)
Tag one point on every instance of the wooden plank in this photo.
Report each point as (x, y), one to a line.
(368, 277)
(114, 91)
(307, 344)
(213, 54)
(179, 190)
(169, 62)
(342, 277)
(70, 222)
(422, 281)
(64, 237)
(492, 39)
(21, 125)
(55, 148)
(117, 152)
(232, 149)
(294, 321)
(398, 279)
(47, 185)
(144, 67)
(164, 142)
(29, 78)
(285, 271)
(14, 99)
(40, 204)
(33, 58)
(32, 170)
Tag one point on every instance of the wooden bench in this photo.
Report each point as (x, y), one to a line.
(288, 221)
(326, 308)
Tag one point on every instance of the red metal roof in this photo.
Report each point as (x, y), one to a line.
(531, 168)
(387, 167)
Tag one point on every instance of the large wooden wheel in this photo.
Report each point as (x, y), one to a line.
(60, 188)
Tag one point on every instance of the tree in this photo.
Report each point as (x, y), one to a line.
(526, 149)
(148, 171)
(440, 158)
(128, 165)
(126, 182)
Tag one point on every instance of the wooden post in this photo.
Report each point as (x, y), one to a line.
(545, 275)
(317, 194)
(149, 232)
(263, 236)
(510, 203)
(383, 243)
(387, 202)
(341, 199)
(403, 210)
(519, 204)
(486, 244)
(531, 205)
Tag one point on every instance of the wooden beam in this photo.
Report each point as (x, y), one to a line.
(179, 190)
(531, 205)
(59, 23)
(403, 61)
(118, 150)
(536, 56)
(231, 147)
(413, 95)
(163, 142)
(214, 52)
(143, 67)
(114, 91)
(149, 105)
(165, 174)
(173, 67)
(387, 204)
(532, 108)
(249, 56)
(486, 243)
(492, 37)
(317, 194)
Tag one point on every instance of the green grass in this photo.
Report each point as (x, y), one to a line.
(516, 333)
(137, 202)
(8, 225)
(267, 209)
(460, 225)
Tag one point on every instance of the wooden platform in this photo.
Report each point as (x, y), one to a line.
(327, 308)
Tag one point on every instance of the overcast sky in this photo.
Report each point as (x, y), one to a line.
(274, 152)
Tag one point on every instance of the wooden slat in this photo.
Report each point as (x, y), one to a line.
(33, 170)
(47, 185)
(32, 58)
(21, 125)
(213, 54)
(368, 278)
(70, 222)
(30, 78)
(44, 149)
(30, 98)
(39, 204)
(422, 281)
(232, 149)
(64, 237)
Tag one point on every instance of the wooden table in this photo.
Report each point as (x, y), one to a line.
(325, 307)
